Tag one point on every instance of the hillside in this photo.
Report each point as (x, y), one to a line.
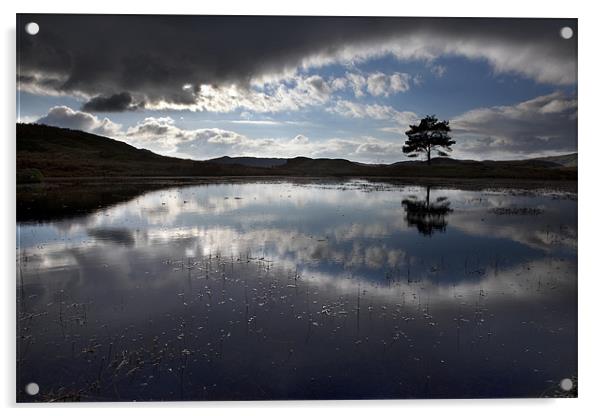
(47, 152)
(567, 161)
(58, 152)
(538, 168)
(260, 162)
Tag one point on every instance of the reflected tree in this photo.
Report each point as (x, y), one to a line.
(428, 217)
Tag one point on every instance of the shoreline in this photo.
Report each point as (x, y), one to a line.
(58, 198)
(435, 182)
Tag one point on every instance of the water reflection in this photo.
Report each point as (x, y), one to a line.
(427, 217)
(287, 290)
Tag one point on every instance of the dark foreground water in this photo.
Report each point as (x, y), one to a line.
(301, 291)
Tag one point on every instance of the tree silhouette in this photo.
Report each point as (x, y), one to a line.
(427, 216)
(430, 135)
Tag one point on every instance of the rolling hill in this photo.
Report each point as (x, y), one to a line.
(258, 162)
(52, 152)
(567, 161)
(57, 152)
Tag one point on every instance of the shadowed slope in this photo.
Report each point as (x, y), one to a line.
(46, 152)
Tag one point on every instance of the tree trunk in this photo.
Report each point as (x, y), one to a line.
(428, 156)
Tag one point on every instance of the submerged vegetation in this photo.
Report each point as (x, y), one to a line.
(240, 291)
(224, 309)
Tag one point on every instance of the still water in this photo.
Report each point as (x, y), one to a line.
(287, 290)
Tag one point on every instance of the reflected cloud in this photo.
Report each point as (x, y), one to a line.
(295, 275)
(544, 226)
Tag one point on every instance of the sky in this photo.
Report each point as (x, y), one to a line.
(201, 87)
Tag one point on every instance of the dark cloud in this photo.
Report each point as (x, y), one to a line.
(154, 57)
(114, 103)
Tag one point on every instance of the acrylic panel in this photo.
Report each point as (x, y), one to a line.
(295, 207)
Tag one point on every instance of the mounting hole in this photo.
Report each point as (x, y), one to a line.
(566, 32)
(566, 384)
(32, 28)
(32, 389)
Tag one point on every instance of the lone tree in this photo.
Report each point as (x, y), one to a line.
(430, 135)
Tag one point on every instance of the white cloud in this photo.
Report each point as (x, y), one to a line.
(357, 83)
(399, 130)
(316, 86)
(163, 136)
(438, 70)
(375, 83)
(541, 126)
(544, 125)
(338, 84)
(269, 96)
(300, 139)
(63, 116)
(293, 93)
(378, 84)
(256, 122)
(380, 148)
(528, 59)
(381, 84)
(27, 119)
(374, 111)
(400, 82)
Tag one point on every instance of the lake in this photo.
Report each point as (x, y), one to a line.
(301, 290)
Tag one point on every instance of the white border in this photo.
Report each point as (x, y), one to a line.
(590, 111)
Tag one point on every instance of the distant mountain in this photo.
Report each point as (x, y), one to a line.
(46, 152)
(262, 162)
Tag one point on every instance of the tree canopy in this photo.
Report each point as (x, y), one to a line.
(427, 136)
